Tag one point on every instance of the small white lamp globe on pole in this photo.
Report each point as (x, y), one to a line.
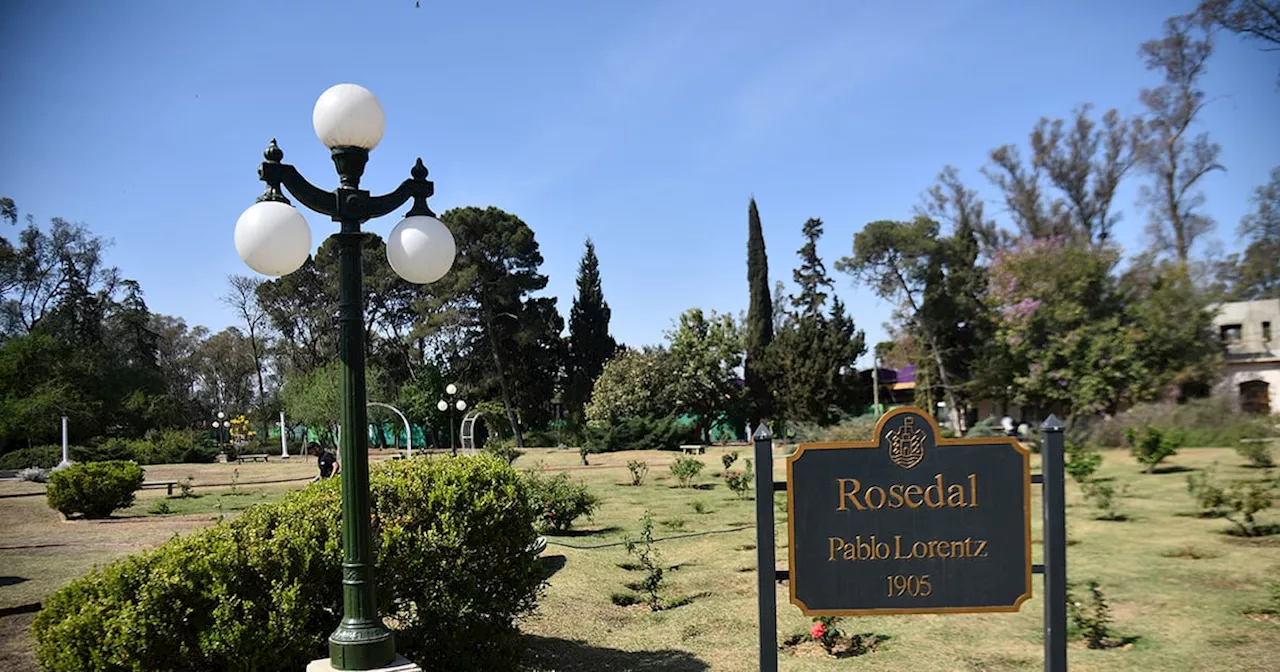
(273, 238)
(443, 405)
(348, 115)
(451, 389)
(462, 405)
(420, 249)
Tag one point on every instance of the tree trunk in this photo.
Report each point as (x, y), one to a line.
(953, 409)
(502, 379)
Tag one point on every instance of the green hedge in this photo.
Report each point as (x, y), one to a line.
(43, 457)
(641, 434)
(94, 489)
(263, 592)
(160, 447)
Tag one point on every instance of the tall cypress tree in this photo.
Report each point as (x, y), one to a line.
(759, 321)
(590, 344)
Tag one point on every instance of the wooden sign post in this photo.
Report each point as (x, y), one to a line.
(912, 523)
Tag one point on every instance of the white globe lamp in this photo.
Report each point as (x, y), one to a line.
(451, 388)
(421, 249)
(273, 238)
(348, 115)
(461, 405)
(443, 405)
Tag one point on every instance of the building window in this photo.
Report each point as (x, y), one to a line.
(1266, 332)
(1230, 333)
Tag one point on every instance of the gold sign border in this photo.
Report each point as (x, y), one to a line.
(941, 443)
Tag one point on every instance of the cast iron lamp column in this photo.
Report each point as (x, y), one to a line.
(273, 238)
(443, 406)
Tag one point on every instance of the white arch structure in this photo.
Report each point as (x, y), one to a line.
(408, 431)
(469, 430)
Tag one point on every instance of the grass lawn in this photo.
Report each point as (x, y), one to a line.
(1185, 613)
(1176, 582)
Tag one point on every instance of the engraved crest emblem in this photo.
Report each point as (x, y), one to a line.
(906, 444)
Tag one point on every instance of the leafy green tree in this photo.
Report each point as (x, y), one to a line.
(226, 372)
(590, 344)
(388, 299)
(39, 385)
(1175, 159)
(304, 315)
(1169, 321)
(706, 350)
(634, 384)
(952, 307)
(759, 330)
(1061, 325)
(76, 339)
(177, 356)
(315, 398)
(896, 259)
(507, 342)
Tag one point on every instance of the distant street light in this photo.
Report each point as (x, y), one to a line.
(273, 238)
(450, 390)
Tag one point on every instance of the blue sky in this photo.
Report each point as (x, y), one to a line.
(644, 125)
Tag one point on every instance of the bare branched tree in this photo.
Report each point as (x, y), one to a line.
(1175, 159)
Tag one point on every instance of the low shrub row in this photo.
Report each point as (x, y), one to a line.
(262, 592)
(666, 433)
(1198, 423)
(159, 447)
(861, 428)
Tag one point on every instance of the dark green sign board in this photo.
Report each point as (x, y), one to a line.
(909, 522)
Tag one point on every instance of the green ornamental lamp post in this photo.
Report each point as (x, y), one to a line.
(273, 238)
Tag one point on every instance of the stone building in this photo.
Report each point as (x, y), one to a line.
(1250, 333)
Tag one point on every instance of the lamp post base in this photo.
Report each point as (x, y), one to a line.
(397, 665)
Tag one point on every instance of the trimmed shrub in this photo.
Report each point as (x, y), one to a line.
(559, 501)
(94, 489)
(264, 591)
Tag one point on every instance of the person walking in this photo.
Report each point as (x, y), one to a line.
(325, 460)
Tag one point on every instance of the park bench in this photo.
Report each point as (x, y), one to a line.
(693, 450)
(156, 485)
(254, 458)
